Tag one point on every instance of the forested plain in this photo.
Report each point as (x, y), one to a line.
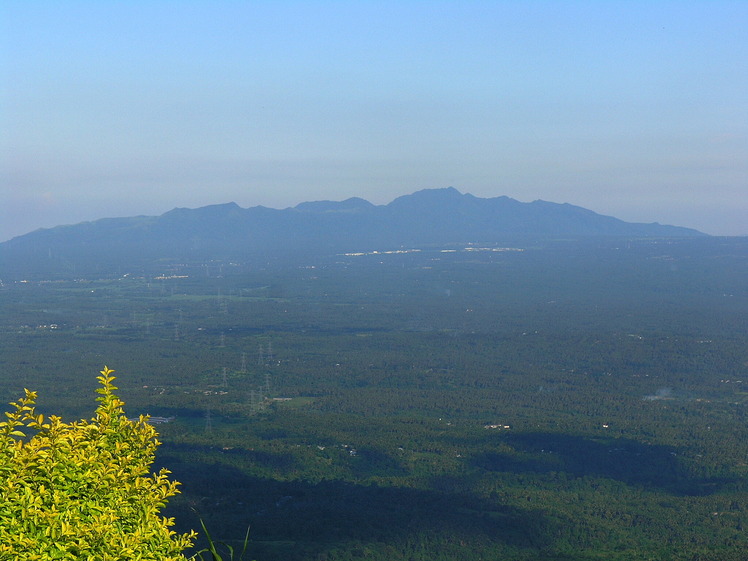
(534, 400)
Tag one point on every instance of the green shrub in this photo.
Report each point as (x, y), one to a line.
(83, 490)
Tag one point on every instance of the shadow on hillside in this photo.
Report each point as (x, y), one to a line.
(620, 459)
(296, 520)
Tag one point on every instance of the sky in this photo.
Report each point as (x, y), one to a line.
(635, 109)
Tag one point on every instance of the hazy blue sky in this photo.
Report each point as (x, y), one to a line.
(633, 109)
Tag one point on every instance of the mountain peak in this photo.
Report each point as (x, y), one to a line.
(348, 205)
(426, 217)
(431, 198)
(435, 193)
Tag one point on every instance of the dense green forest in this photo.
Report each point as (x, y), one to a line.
(539, 400)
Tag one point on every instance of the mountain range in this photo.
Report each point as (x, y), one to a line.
(426, 217)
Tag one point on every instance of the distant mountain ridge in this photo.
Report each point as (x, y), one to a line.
(426, 217)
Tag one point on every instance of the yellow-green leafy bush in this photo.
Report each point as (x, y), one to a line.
(83, 490)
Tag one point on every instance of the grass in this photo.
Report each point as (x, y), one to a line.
(212, 553)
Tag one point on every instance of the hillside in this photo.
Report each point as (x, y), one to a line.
(427, 217)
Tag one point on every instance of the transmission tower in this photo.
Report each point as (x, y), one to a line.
(208, 420)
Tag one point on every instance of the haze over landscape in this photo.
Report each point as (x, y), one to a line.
(635, 110)
(415, 281)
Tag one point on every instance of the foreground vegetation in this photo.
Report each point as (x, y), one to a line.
(83, 490)
(577, 400)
